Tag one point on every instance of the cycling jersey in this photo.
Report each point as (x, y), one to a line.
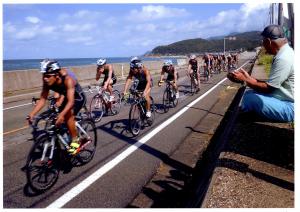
(207, 61)
(142, 79)
(106, 73)
(194, 64)
(170, 71)
(80, 98)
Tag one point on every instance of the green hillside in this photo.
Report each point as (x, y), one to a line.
(246, 40)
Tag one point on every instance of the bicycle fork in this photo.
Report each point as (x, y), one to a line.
(45, 149)
(85, 133)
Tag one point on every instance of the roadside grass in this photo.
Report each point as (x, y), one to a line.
(265, 60)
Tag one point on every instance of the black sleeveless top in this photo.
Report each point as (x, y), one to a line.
(169, 71)
(61, 89)
(106, 72)
(194, 64)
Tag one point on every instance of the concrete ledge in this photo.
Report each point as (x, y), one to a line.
(256, 168)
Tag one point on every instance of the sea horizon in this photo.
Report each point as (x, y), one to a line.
(26, 64)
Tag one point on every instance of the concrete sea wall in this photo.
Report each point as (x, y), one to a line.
(31, 79)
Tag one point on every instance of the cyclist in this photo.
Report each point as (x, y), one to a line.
(193, 70)
(229, 61)
(207, 64)
(73, 98)
(172, 75)
(235, 59)
(142, 74)
(109, 76)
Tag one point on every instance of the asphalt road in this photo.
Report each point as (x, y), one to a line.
(122, 164)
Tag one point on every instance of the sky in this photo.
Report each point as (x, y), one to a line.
(118, 30)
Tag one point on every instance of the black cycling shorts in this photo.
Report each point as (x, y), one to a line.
(113, 79)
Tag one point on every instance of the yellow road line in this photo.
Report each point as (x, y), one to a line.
(12, 131)
(22, 128)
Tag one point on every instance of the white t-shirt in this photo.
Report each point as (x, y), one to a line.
(282, 74)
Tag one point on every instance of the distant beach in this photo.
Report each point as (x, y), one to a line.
(13, 65)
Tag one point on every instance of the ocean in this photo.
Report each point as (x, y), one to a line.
(9, 65)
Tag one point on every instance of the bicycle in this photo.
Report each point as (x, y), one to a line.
(169, 96)
(100, 103)
(137, 113)
(49, 149)
(206, 72)
(194, 85)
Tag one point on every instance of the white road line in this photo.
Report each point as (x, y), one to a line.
(60, 202)
(9, 108)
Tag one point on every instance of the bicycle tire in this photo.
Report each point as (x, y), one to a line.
(44, 169)
(88, 145)
(150, 121)
(135, 121)
(97, 108)
(166, 100)
(116, 104)
(193, 90)
(173, 98)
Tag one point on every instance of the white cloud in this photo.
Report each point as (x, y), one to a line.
(155, 12)
(47, 29)
(79, 39)
(146, 27)
(32, 19)
(250, 8)
(78, 27)
(26, 34)
(82, 14)
(247, 18)
(9, 27)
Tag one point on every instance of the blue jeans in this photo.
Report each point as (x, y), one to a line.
(268, 106)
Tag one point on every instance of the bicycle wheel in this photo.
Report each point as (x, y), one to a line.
(135, 122)
(97, 108)
(192, 85)
(166, 100)
(42, 174)
(116, 104)
(88, 137)
(174, 100)
(206, 74)
(150, 121)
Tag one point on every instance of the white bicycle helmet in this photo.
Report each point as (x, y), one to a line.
(168, 63)
(101, 62)
(135, 62)
(49, 66)
(193, 57)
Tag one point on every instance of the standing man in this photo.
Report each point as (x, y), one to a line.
(273, 99)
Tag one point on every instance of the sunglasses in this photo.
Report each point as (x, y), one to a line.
(48, 75)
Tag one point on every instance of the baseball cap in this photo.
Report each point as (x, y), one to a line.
(273, 32)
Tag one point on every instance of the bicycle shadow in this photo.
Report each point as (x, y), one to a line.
(185, 89)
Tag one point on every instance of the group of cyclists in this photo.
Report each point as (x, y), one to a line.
(70, 98)
(215, 63)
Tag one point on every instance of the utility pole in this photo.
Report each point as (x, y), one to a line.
(273, 16)
(280, 17)
(291, 19)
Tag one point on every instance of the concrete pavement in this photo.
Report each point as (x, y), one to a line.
(242, 163)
